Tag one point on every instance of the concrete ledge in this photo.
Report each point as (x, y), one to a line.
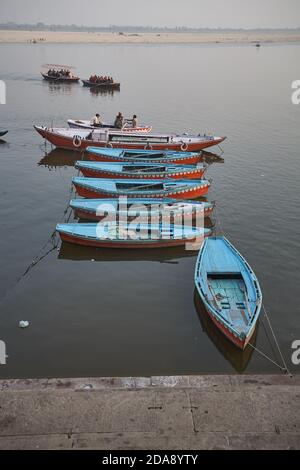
(182, 412)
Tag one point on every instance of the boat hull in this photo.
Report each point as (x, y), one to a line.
(60, 79)
(141, 244)
(114, 85)
(174, 218)
(69, 143)
(192, 193)
(241, 344)
(191, 174)
(188, 159)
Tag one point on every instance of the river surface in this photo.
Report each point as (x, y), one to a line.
(127, 314)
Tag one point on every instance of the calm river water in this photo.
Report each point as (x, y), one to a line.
(135, 313)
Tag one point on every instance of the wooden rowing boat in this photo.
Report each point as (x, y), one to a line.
(111, 85)
(145, 209)
(119, 235)
(79, 139)
(143, 156)
(108, 188)
(140, 170)
(229, 290)
(84, 124)
(61, 79)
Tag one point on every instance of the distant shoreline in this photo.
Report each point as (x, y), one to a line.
(60, 37)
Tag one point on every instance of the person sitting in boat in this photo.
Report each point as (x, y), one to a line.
(134, 121)
(119, 121)
(96, 121)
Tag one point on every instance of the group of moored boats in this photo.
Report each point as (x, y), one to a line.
(134, 175)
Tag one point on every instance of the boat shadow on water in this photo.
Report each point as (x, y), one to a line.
(95, 91)
(71, 252)
(59, 158)
(58, 88)
(239, 359)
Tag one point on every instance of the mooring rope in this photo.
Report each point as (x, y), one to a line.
(53, 239)
(267, 357)
(276, 342)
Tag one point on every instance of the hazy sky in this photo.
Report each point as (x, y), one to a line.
(193, 13)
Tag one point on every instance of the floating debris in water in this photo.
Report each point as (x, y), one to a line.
(23, 324)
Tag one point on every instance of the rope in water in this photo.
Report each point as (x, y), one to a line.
(53, 239)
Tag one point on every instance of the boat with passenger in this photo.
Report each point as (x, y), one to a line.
(85, 124)
(59, 73)
(79, 139)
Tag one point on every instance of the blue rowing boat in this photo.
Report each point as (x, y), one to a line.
(129, 208)
(140, 170)
(102, 154)
(123, 235)
(143, 188)
(229, 289)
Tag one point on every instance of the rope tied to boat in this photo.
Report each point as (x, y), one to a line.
(284, 368)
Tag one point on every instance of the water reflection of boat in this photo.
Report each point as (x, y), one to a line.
(95, 91)
(59, 157)
(71, 252)
(238, 358)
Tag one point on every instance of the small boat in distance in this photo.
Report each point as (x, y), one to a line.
(80, 139)
(145, 209)
(229, 290)
(107, 188)
(143, 156)
(103, 84)
(59, 73)
(122, 235)
(3, 132)
(140, 170)
(85, 124)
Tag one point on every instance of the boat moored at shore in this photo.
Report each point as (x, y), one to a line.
(143, 156)
(140, 170)
(229, 290)
(107, 188)
(120, 235)
(145, 209)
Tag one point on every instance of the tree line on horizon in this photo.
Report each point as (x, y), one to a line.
(128, 29)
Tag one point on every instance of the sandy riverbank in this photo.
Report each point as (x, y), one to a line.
(242, 37)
